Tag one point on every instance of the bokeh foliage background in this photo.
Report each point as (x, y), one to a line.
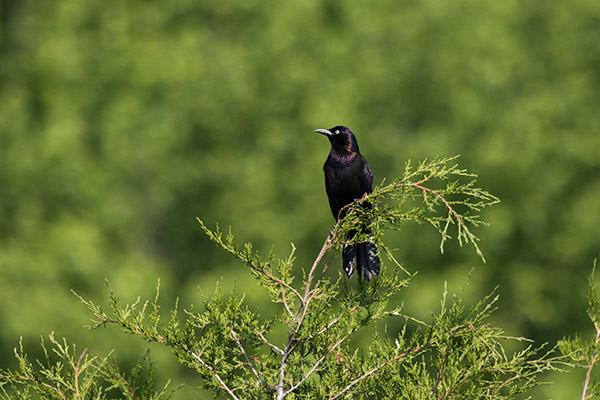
(120, 122)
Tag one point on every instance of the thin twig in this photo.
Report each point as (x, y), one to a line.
(241, 347)
(308, 292)
(378, 367)
(265, 341)
(299, 318)
(462, 227)
(506, 382)
(442, 367)
(285, 304)
(32, 379)
(311, 274)
(456, 215)
(77, 372)
(284, 359)
(314, 368)
(456, 386)
(216, 237)
(323, 272)
(331, 323)
(278, 281)
(593, 362)
(215, 374)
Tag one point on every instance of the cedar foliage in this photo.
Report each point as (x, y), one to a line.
(306, 350)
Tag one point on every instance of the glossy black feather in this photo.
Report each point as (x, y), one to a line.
(347, 178)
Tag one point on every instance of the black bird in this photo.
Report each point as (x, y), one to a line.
(347, 178)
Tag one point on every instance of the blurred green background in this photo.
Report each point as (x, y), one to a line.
(120, 122)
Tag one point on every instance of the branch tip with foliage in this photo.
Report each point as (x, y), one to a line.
(435, 191)
(65, 373)
(243, 355)
(586, 353)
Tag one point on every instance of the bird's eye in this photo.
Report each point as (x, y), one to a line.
(337, 132)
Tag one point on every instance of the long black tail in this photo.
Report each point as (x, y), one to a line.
(362, 257)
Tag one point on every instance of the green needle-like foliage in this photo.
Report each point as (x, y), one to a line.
(458, 354)
(586, 353)
(436, 192)
(66, 373)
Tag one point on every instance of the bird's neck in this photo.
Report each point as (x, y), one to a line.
(342, 157)
(346, 149)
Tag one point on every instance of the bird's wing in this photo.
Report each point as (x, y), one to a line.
(331, 189)
(366, 177)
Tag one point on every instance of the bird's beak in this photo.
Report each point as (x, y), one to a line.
(325, 132)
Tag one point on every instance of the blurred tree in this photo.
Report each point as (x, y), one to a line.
(121, 122)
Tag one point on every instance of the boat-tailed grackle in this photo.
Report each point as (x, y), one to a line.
(347, 178)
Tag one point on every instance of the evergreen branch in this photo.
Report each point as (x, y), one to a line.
(594, 315)
(271, 345)
(457, 354)
(311, 274)
(463, 230)
(300, 316)
(77, 371)
(285, 304)
(308, 296)
(586, 354)
(332, 323)
(369, 373)
(316, 365)
(214, 373)
(424, 179)
(282, 283)
(246, 256)
(284, 361)
(593, 362)
(123, 321)
(465, 378)
(67, 374)
(439, 377)
(254, 371)
(31, 379)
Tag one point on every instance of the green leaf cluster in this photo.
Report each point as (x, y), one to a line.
(585, 353)
(65, 373)
(434, 192)
(307, 350)
(310, 348)
(459, 354)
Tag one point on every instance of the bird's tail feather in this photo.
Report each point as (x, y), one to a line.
(361, 256)
(367, 260)
(349, 259)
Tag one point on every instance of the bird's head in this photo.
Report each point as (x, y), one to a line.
(341, 138)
